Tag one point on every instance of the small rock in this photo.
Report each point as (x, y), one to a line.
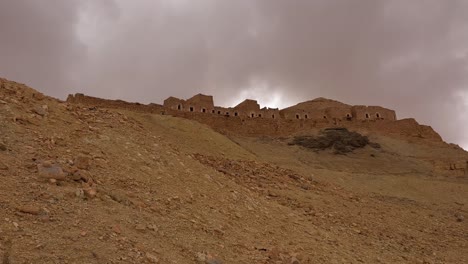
(2, 147)
(3, 166)
(201, 257)
(52, 172)
(82, 162)
(212, 260)
(38, 96)
(294, 260)
(79, 193)
(152, 258)
(152, 227)
(47, 164)
(90, 192)
(459, 217)
(140, 227)
(207, 258)
(30, 209)
(116, 229)
(40, 111)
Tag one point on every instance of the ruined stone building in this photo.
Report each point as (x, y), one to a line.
(248, 118)
(320, 109)
(204, 104)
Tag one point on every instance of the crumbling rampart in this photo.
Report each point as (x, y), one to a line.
(118, 104)
(248, 119)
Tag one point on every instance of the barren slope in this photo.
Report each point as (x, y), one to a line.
(143, 188)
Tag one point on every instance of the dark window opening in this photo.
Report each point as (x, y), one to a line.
(203, 110)
(213, 111)
(219, 112)
(377, 115)
(259, 115)
(253, 115)
(306, 116)
(367, 116)
(236, 114)
(227, 113)
(179, 107)
(297, 116)
(324, 117)
(273, 116)
(191, 109)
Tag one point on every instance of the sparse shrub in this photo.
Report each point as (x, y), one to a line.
(341, 140)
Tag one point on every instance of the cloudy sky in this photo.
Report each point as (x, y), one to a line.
(409, 55)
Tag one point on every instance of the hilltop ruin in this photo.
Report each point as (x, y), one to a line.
(317, 109)
(249, 119)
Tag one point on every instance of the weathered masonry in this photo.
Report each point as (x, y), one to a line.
(204, 104)
(319, 109)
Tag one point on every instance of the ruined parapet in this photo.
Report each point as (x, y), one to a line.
(248, 108)
(362, 112)
(200, 103)
(272, 113)
(175, 104)
(248, 118)
(118, 104)
(339, 113)
(456, 168)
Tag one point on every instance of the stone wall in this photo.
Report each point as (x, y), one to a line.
(118, 104)
(453, 168)
(200, 103)
(175, 104)
(361, 112)
(285, 123)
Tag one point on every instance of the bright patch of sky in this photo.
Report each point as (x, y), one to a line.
(266, 95)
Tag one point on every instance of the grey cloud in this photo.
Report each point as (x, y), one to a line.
(407, 55)
(38, 45)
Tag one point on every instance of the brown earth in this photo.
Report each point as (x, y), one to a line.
(83, 184)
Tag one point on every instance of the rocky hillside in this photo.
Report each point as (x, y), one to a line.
(85, 184)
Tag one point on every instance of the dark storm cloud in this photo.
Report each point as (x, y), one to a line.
(407, 55)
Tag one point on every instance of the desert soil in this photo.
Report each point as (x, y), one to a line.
(81, 184)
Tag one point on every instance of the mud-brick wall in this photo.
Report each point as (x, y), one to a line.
(339, 113)
(458, 168)
(361, 112)
(118, 104)
(406, 128)
(175, 103)
(200, 103)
